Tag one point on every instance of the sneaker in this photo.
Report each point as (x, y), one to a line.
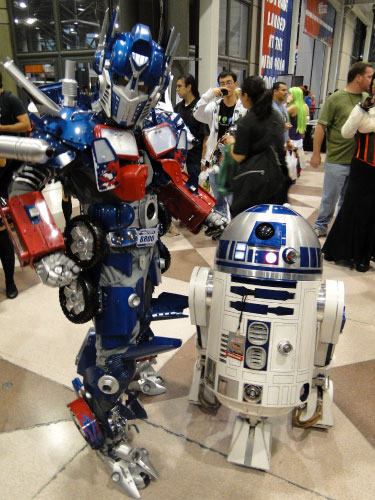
(320, 232)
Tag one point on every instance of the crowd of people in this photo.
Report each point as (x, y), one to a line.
(265, 127)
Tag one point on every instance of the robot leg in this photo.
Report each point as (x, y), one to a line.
(251, 443)
(317, 411)
(102, 413)
(200, 294)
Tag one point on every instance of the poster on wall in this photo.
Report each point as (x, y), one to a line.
(320, 21)
(277, 25)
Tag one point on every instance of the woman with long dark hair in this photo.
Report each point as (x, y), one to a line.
(259, 136)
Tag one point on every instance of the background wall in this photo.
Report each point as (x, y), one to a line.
(346, 49)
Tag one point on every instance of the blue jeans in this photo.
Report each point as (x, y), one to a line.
(221, 201)
(334, 187)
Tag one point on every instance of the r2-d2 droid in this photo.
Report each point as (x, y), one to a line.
(266, 329)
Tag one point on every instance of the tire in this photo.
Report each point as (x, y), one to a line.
(164, 254)
(165, 218)
(79, 300)
(85, 241)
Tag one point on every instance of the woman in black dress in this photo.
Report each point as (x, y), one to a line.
(352, 237)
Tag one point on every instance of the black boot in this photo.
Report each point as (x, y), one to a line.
(362, 266)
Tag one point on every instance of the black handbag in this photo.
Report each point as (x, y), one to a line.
(258, 180)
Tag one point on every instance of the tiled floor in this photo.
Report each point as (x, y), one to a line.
(42, 456)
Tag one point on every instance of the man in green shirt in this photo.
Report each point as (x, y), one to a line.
(334, 114)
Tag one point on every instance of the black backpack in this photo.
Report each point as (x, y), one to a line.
(258, 180)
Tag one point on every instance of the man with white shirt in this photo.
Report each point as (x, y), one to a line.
(220, 108)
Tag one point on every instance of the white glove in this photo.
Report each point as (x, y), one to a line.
(57, 270)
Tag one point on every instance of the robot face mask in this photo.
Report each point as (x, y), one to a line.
(134, 75)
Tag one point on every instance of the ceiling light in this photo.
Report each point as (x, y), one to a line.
(31, 20)
(22, 5)
(16, 21)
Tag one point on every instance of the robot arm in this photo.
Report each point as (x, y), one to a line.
(40, 243)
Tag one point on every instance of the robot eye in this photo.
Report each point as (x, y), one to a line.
(143, 88)
(264, 231)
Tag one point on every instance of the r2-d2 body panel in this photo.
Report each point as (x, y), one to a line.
(263, 320)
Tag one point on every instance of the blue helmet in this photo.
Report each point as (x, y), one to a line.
(133, 72)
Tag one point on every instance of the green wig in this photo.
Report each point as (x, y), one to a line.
(297, 95)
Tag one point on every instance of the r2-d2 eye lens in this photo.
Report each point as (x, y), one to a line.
(264, 231)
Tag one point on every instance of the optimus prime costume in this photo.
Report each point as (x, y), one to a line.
(122, 160)
(266, 329)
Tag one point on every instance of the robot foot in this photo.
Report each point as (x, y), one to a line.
(318, 411)
(207, 400)
(147, 380)
(130, 468)
(251, 443)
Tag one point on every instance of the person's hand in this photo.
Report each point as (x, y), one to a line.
(288, 126)
(203, 165)
(228, 139)
(289, 145)
(368, 103)
(315, 160)
(216, 91)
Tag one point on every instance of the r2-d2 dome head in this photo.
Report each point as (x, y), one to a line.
(133, 73)
(270, 242)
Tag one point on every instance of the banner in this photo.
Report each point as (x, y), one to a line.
(277, 24)
(320, 21)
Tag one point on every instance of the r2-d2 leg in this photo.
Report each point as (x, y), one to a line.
(317, 412)
(200, 294)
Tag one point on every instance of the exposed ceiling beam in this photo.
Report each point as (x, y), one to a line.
(360, 2)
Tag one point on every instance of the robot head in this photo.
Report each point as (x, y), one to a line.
(133, 73)
(270, 242)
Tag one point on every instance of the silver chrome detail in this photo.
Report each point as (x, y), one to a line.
(69, 85)
(291, 255)
(285, 347)
(134, 300)
(82, 242)
(108, 384)
(147, 379)
(256, 357)
(25, 149)
(209, 287)
(257, 333)
(252, 393)
(75, 301)
(321, 302)
(46, 105)
(148, 212)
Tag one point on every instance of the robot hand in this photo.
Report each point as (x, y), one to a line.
(57, 270)
(215, 224)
